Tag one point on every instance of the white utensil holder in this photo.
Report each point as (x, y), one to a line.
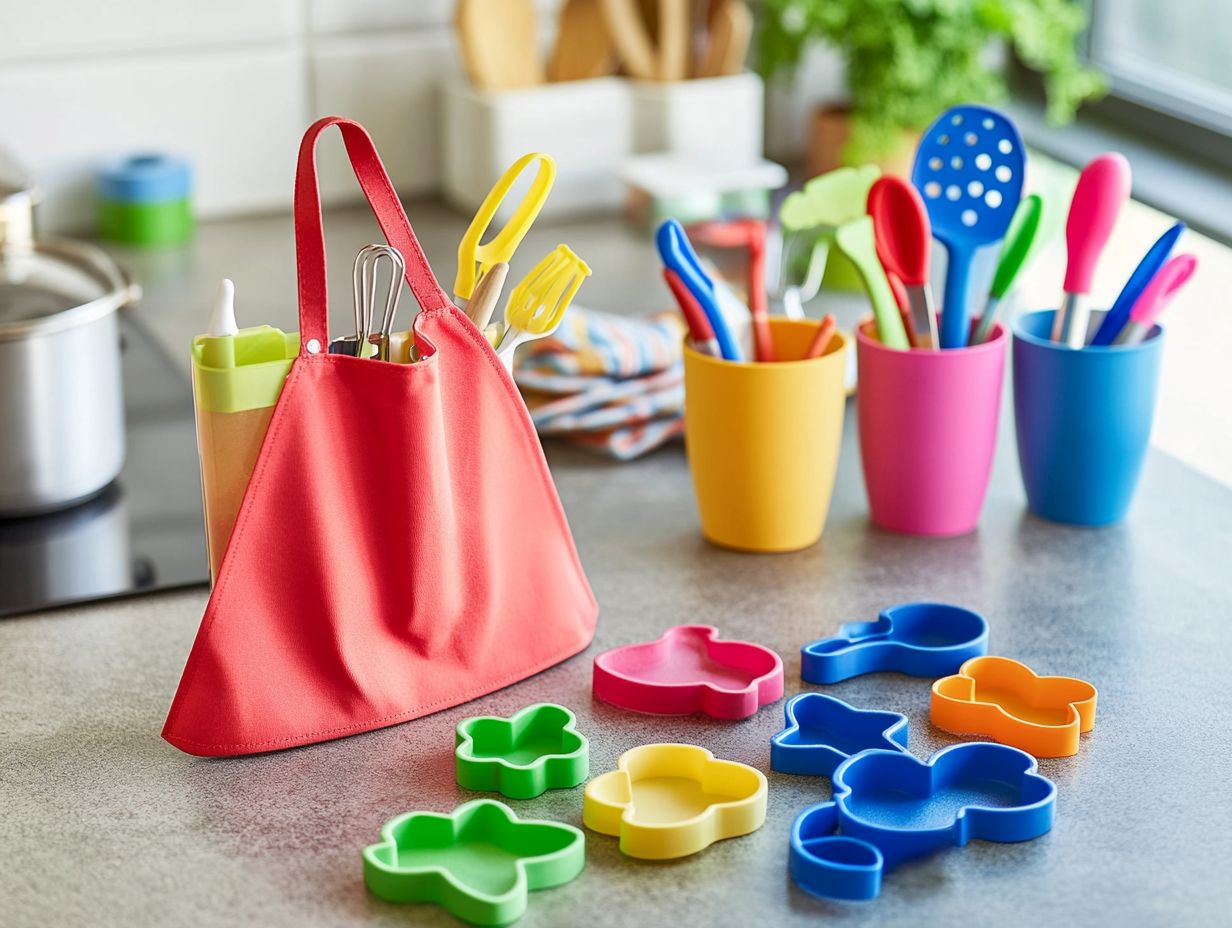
(585, 125)
(720, 117)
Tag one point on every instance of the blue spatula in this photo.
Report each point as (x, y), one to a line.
(969, 168)
(1143, 274)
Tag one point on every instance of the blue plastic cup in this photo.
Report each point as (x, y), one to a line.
(1083, 419)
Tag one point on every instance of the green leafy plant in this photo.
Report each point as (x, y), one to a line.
(908, 60)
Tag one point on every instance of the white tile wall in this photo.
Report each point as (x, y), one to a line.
(368, 15)
(389, 84)
(231, 84)
(34, 29)
(820, 79)
(236, 115)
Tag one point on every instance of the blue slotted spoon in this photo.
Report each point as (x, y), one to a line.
(969, 168)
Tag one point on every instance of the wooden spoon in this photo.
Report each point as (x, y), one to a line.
(633, 42)
(731, 30)
(583, 48)
(674, 38)
(499, 43)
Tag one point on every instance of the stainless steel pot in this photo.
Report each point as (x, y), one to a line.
(61, 399)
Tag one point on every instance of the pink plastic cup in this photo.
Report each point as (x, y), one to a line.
(928, 430)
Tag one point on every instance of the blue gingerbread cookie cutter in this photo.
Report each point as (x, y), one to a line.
(991, 792)
(918, 639)
(823, 731)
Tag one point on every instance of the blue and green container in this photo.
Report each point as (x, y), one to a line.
(146, 200)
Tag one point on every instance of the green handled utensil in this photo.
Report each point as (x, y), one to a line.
(856, 240)
(1019, 241)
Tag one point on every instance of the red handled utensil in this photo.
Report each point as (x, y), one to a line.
(904, 243)
(700, 332)
(900, 298)
(749, 234)
(821, 341)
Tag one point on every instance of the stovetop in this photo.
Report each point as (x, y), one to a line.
(144, 531)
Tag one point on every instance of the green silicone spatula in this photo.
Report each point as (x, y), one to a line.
(1019, 241)
(856, 239)
(829, 199)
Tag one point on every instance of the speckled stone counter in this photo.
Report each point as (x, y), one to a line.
(104, 824)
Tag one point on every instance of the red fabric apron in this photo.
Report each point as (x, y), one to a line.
(401, 547)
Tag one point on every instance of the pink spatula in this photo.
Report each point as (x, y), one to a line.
(1103, 187)
(1155, 299)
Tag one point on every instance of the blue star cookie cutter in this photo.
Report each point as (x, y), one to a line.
(890, 807)
(919, 639)
(536, 749)
(479, 862)
(823, 731)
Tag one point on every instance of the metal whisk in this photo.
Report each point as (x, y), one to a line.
(364, 289)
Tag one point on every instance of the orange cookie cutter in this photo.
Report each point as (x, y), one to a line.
(1005, 700)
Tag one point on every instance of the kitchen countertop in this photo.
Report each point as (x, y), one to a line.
(105, 824)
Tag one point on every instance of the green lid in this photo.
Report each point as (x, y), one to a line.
(233, 373)
(169, 222)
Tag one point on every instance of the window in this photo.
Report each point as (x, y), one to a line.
(1169, 58)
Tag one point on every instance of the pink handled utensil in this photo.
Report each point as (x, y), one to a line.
(1103, 187)
(904, 242)
(1155, 299)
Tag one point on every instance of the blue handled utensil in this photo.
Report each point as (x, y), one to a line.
(1143, 274)
(678, 255)
(969, 167)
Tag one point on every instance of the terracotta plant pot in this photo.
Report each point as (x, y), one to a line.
(829, 129)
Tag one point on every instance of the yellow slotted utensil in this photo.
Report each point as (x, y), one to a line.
(540, 299)
(475, 259)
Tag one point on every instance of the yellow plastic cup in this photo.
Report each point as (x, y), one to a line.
(763, 440)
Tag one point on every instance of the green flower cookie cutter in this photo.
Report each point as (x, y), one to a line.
(537, 749)
(479, 862)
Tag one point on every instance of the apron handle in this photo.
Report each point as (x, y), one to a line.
(310, 233)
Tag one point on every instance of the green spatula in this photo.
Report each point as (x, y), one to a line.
(856, 240)
(1019, 240)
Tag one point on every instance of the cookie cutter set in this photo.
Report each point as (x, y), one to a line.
(665, 801)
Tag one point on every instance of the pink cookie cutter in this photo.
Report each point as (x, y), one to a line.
(689, 669)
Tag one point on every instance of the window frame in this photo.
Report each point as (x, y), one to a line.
(1143, 110)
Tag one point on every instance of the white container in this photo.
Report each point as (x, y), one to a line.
(585, 125)
(722, 118)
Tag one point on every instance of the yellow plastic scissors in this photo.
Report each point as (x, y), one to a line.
(475, 259)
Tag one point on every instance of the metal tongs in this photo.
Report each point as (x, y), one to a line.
(364, 282)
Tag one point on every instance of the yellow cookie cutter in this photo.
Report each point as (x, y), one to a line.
(1005, 700)
(672, 800)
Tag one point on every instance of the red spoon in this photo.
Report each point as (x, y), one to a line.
(904, 243)
(749, 234)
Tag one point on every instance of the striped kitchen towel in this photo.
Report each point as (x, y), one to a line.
(611, 384)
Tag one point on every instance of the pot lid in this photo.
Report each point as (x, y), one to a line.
(34, 284)
(47, 286)
(53, 285)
